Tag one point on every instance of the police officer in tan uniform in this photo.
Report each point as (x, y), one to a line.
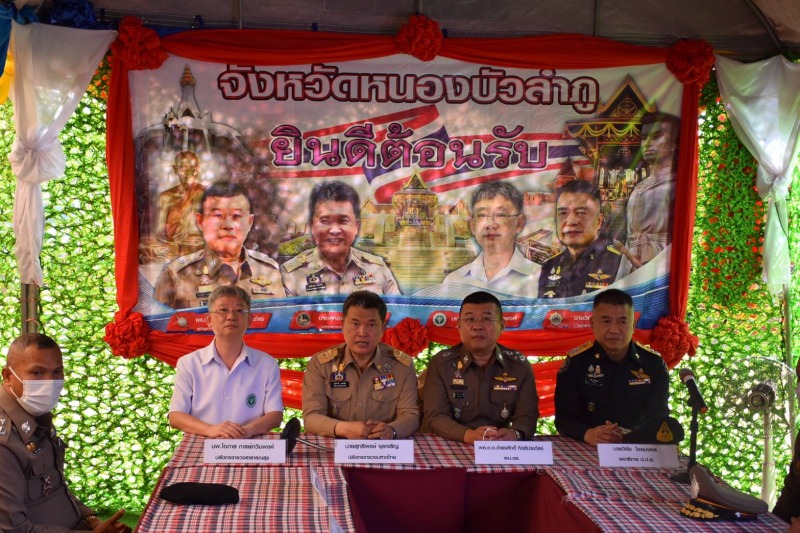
(334, 266)
(361, 389)
(33, 492)
(225, 220)
(479, 390)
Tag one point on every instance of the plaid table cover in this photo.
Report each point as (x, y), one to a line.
(616, 499)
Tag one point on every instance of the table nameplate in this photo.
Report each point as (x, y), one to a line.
(244, 451)
(513, 452)
(374, 451)
(638, 455)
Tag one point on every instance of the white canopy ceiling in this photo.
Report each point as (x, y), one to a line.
(742, 29)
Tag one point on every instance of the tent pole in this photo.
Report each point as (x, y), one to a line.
(29, 298)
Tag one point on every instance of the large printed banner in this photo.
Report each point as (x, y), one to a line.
(302, 176)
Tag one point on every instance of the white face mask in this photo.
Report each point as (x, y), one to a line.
(39, 396)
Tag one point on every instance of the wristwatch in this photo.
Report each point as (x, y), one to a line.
(520, 435)
(394, 433)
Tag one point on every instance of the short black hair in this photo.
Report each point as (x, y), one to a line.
(39, 340)
(333, 191)
(223, 189)
(365, 300)
(229, 290)
(613, 297)
(663, 118)
(490, 189)
(481, 297)
(579, 186)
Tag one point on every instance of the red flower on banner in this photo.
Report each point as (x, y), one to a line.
(690, 60)
(421, 37)
(408, 335)
(127, 335)
(672, 339)
(138, 48)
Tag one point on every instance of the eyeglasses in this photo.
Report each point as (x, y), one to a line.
(485, 321)
(500, 218)
(225, 312)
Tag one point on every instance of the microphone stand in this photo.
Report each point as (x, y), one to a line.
(683, 477)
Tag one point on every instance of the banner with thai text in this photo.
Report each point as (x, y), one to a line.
(433, 180)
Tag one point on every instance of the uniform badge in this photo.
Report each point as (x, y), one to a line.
(2, 425)
(457, 413)
(364, 279)
(505, 378)
(458, 379)
(338, 380)
(205, 281)
(377, 384)
(504, 412)
(251, 400)
(555, 274)
(590, 407)
(387, 381)
(640, 378)
(594, 375)
(47, 485)
(26, 427)
(314, 283)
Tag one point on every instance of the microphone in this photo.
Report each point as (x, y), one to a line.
(695, 398)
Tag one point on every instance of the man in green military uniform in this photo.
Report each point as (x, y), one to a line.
(334, 266)
(361, 389)
(587, 263)
(225, 219)
(479, 390)
(613, 385)
(33, 492)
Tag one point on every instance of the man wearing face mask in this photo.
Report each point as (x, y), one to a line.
(33, 491)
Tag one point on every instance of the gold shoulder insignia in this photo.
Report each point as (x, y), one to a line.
(613, 250)
(367, 257)
(646, 348)
(403, 357)
(297, 261)
(328, 355)
(264, 258)
(582, 348)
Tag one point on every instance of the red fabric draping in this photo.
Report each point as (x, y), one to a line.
(279, 47)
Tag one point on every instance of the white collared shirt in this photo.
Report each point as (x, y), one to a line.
(207, 390)
(520, 277)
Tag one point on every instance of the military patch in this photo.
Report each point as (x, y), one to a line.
(505, 378)
(251, 400)
(564, 365)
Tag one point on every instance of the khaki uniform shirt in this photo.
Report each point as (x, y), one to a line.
(188, 280)
(334, 390)
(459, 395)
(33, 493)
(306, 274)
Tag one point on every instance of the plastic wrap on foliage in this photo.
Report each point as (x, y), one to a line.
(138, 48)
(672, 339)
(690, 60)
(127, 335)
(420, 37)
(409, 335)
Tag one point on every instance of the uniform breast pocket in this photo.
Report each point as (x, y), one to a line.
(337, 399)
(386, 402)
(504, 398)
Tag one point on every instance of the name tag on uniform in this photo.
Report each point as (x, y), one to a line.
(504, 386)
(314, 283)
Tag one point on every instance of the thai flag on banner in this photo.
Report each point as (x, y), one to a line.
(555, 148)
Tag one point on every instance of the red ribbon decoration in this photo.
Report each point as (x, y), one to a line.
(672, 339)
(420, 37)
(127, 335)
(690, 60)
(409, 335)
(138, 48)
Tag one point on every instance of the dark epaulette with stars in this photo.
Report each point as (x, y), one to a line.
(513, 355)
(402, 357)
(580, 349)
(5, 427)
(328, 355)
(646, 348)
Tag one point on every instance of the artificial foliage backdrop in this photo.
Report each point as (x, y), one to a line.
(113, 413)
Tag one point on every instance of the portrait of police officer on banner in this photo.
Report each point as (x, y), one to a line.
(225, 219)
(333, 266)
(587, 262)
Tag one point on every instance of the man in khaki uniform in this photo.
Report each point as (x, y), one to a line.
(334, 266)
(225, 220)
(33, 492)
(479, 390)
(361, 389)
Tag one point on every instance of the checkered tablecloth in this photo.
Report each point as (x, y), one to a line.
(633, 499)
(270, 499)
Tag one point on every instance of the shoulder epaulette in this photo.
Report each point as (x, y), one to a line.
(579, 349)
(5, 427)
(368, 257)
(613, 250)
(402, 357)
(647, 349)
(187, 259)
(513, 355)
(328, 355)
(297, 261)
(264, 258)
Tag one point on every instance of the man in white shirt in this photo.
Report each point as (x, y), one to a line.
(497, 218)
(227, 390)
